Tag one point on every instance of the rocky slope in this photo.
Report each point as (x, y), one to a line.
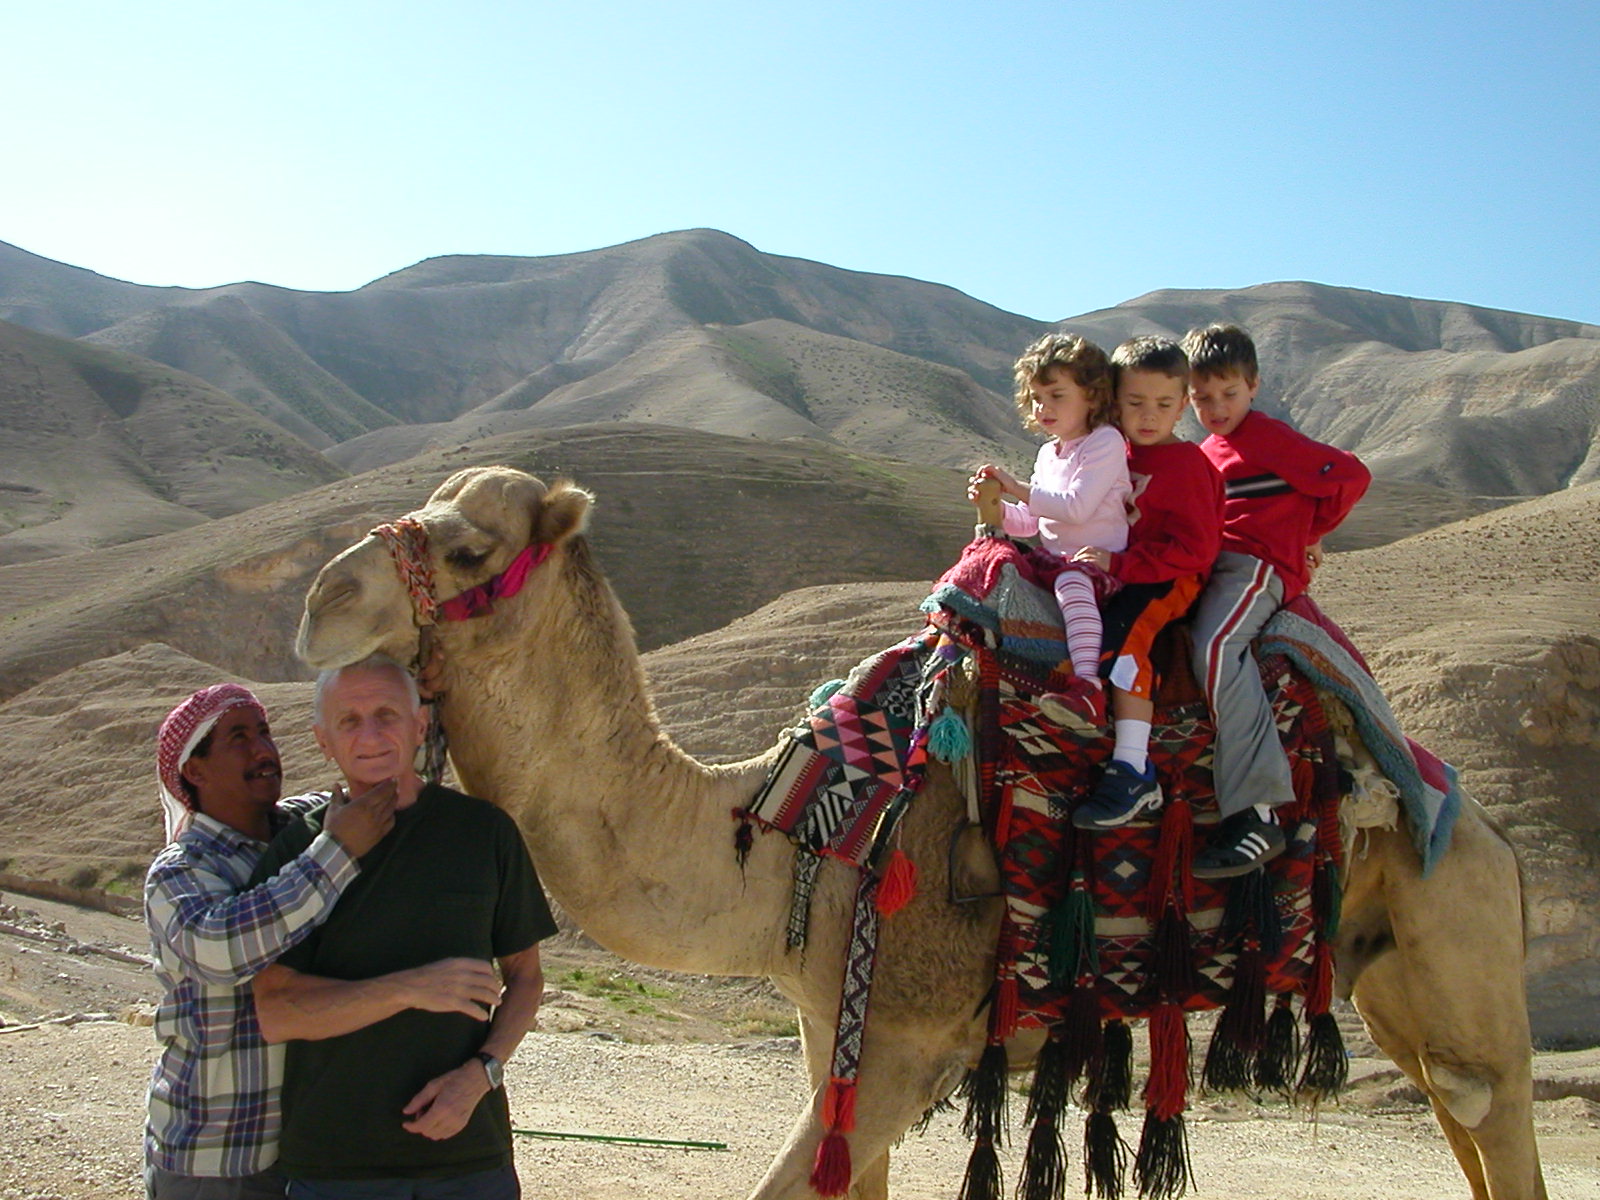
(696, 529)
(98, 447)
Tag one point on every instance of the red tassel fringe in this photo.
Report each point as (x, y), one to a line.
(1166, 1092)
(1319, 992)
(839, 1105)
(830, 1175)
(1174, 849)
(1303, 776)
(898, 885)
(1006, 1003)
(1329, 839)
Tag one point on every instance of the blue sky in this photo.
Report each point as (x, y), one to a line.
(1050, 158)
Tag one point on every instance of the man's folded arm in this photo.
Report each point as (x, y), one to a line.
(292, 1005)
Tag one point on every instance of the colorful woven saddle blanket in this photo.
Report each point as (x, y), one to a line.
(1087, 910)
(994, 602)
(1102, 927)
(835, 785)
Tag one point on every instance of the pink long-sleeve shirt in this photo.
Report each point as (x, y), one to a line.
(1078, 495)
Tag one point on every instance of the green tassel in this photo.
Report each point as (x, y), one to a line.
(823, 693)
(1071, 937)
(949, 738)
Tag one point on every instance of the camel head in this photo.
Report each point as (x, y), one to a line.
(476, 523)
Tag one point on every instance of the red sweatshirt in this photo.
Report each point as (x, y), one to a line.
(1284, 491)
(1175, 526)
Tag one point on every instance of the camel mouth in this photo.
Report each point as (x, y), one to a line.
(315, 653)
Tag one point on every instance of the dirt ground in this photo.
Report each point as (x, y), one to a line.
(647, 1054)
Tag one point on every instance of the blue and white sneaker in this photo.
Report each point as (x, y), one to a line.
(1120, 796)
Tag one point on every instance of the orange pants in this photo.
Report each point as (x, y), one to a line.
(1133, 618)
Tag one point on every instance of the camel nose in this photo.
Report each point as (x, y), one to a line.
(328, 593)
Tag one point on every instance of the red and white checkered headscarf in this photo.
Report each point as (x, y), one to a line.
(185, 728)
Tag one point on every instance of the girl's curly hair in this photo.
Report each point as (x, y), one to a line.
(1080, 358)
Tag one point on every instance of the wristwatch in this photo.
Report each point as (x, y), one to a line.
(493, 1068)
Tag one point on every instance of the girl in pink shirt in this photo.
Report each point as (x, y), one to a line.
(1078, 497)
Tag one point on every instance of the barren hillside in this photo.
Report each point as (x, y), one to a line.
(99, 448)
(697, 328)
(696, 529)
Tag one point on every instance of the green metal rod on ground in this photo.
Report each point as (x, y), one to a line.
(620, 1139)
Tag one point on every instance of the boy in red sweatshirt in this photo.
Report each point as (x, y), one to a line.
(1174, 533)
(1285, 492)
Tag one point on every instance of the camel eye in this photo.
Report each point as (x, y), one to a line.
(463, 559)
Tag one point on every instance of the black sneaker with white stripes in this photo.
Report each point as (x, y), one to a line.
(1241, 844)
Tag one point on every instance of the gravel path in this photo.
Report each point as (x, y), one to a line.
(71, 1100)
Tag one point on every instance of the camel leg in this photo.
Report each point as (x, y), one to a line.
(1379, 1000)
(903, 1071)
(872, 1180)
(1449, 996)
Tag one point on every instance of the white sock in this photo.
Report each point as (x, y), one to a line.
(1133, 743)
(1264, 811)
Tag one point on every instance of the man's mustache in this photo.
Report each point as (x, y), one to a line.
(265, 765)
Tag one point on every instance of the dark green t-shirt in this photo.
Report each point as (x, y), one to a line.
(452, 880)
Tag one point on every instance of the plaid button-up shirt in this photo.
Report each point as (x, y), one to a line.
(214, 1092)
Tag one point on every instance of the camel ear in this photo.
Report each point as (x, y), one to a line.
(564, 513)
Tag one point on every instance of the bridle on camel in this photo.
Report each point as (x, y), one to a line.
(407, 543)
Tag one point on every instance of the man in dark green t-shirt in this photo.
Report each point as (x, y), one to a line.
(410, 1104)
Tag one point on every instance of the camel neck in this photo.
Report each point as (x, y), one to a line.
(630, 834)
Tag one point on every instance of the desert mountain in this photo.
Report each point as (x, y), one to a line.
(229, 343)
(102, 447)
(769, 379)
(450, 334)
(696, 529)
(700, 329)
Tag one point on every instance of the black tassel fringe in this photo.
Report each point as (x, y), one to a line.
(1326, 897)
(1240, 1031)
(1161, 1168)
(1172, 971)
(1044, 1166)
(982, 1180)
(1082, 1038)
(1105, 1157)
(1326, 1068)
(948, 1104)
(1047, 1098)
(1227, 1066)
(984, 1090)
(1251, 902)
(1111, 1088)
(1279, 1060)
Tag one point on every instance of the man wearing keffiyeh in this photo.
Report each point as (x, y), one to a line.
(214, 1118)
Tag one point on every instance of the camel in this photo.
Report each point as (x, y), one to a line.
(549, 717)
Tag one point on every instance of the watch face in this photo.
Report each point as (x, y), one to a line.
(492, 1068)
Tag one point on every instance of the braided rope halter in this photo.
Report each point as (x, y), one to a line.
(407, 543)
